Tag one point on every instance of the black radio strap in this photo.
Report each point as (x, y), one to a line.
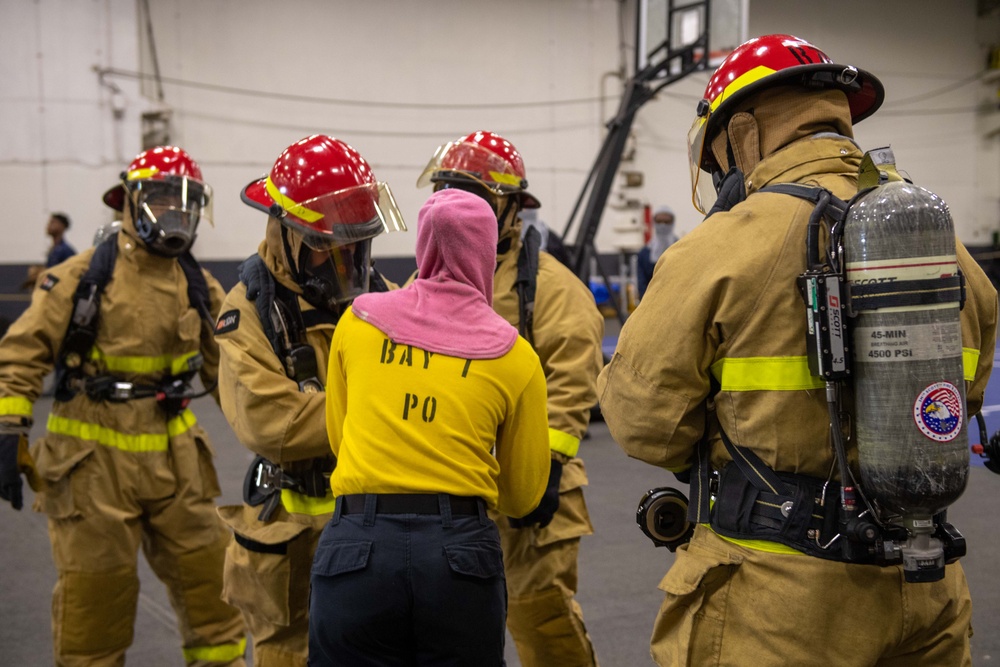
(527, 282)
(82, 330)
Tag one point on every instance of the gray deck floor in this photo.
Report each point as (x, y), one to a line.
(619, 567)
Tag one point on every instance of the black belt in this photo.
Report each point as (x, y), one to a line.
(408, 503)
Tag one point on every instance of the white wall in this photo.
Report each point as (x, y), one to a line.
(412, 75)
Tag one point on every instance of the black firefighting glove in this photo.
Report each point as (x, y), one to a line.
(549, 505)
(731, 192)
(10, 472)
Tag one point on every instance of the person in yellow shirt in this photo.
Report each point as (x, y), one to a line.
(436, 413)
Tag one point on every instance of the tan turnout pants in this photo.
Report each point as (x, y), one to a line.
(729, 605)
(543, 615)
(267, 578)
(103, 505)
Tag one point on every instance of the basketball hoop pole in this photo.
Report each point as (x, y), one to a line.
(675, 64)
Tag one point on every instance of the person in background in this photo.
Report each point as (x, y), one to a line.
(61, 250)
(662, 238)
(435, 409)
(555, 312)
(124, 464)
(323, 206)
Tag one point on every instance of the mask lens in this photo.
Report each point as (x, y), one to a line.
(336, 275)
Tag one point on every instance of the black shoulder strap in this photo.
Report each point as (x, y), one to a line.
(82, 330)
(376, 282)
(281, 318)
(825, 205)
(835, 208)
(527, 282)
(198, 293)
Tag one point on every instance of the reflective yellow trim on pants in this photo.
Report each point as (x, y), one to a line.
(970, 362)
(127, 442)
(563, 443)
(224, 653)
(15, 405)
(765, 374)
(144, 365)
(298, 503)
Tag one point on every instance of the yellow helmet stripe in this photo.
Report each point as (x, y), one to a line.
(740, 82)
(299, 211)
(505, 179)
(137, 174)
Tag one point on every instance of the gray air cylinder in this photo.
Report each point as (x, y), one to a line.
(910, 410)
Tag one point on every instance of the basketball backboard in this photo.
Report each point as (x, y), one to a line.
(664, 27)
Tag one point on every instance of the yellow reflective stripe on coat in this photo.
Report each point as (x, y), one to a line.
(563, 443)
(126, 442)
(765, 374)
(970, 362)
(15, 405)
(762, 545)
(144, 365)
(181, 423)
(223, 653)
(298, 503)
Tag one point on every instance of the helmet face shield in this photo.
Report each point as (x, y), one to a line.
(501, 173)
(339, 218)
(699, 177)
(471, 161)
(168, 211)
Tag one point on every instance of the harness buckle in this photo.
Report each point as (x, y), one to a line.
(786, 508)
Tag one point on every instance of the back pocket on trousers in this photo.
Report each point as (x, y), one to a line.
(483, 560)
(333, 558)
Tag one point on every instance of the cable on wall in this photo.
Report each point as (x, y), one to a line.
(234, 90)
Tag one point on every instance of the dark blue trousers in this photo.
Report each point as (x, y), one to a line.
(408, 589)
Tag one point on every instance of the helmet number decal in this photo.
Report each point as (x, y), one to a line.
(801, 54)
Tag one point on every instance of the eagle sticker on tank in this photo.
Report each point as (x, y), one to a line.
(938, 411)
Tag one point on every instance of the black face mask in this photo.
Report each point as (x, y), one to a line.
(336, 281)
(173, 243)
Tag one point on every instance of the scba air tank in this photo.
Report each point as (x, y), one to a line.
(910, 410)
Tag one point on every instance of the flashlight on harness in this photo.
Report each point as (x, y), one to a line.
(662, 516)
